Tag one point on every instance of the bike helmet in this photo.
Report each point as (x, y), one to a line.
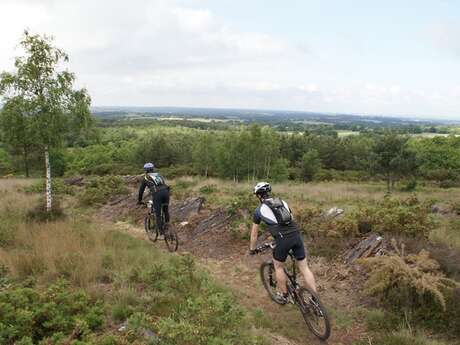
(262, 188)
(148, 167)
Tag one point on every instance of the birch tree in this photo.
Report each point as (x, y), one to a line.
(44, 88)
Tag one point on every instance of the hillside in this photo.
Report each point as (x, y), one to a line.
(99, 251)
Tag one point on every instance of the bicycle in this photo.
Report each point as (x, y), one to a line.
(170, 235)
(307, 301)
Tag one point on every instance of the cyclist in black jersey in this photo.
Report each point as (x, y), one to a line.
(276, 214)
(159, 190)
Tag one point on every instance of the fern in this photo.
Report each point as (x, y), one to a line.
(408, 281)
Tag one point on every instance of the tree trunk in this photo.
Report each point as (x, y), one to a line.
(49, 199)
(26, 162)
(388, 183)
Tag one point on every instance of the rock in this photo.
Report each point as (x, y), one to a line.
(187, 208)
(215, 222)
(149, 334)
(334, 213)
(373, 245)
(436, 208)
(76, 181)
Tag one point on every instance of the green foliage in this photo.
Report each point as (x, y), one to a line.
(214, 319)
(208, 189)
(58, 186)
(393, 158)
(378, 320)
(403, 216)
(6, 163)
(58, 312)
(41, 214)
(310, 165)
(101, 189)
(41, 94)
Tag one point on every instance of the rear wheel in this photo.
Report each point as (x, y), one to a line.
(267, 274)
(150, 228)
(171, 238)
(314, 313)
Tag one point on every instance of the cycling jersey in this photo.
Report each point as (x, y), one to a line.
(264, 213)
(287, 237)
(160, 195)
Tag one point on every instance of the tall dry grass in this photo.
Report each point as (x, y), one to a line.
(52, 250)
(74, 248)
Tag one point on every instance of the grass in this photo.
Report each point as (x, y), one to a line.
(128, 278)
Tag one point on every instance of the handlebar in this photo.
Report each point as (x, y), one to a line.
(264, 247)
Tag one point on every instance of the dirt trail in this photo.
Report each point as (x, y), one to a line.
(205, 234)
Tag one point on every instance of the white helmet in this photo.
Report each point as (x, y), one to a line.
(262, 188)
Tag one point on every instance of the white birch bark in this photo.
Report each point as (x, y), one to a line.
(49, 199)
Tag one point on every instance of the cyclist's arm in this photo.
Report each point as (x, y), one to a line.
(141, 190)
(254, 235)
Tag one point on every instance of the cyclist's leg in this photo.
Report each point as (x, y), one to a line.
(157, 207)
(307, 274)
(281, 278)
(299, 253)
(165, 203)
(280, 254)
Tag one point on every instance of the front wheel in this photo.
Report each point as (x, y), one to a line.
(171, 238)
(150, 228)
(267, 274)
(314, 313)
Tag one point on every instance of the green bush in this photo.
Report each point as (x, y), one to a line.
(212, 319)
(6, 163)
(208, 189)
(100, 189)
(57, 186)
(40, 214)
(409, 216)
(378, 320)
(58, 312)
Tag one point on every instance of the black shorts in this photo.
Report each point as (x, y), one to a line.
(289, 242)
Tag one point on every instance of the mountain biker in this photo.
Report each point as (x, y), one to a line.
(160, 193)
(276, 214)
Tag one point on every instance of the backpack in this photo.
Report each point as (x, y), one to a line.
(155, 179)
(282, 213)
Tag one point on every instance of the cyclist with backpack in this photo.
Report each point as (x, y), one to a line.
(160, 193)
(276, 214)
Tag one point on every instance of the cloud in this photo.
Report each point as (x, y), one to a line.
(180, 53)
(445, 37)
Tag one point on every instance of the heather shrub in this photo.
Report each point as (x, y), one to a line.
(409, 217)
(101, 189)
(57, 313)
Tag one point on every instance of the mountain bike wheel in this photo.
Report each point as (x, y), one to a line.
(314, 313)
(267, 274)
(171, 238)
(150, 228)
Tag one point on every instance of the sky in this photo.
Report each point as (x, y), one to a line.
(334, 56)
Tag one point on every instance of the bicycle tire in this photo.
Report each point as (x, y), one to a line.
(150, 228)
(171, 238)
(312, 311)
(267, 274)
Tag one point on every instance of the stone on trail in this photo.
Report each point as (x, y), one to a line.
(373, 245)
(187, 208)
